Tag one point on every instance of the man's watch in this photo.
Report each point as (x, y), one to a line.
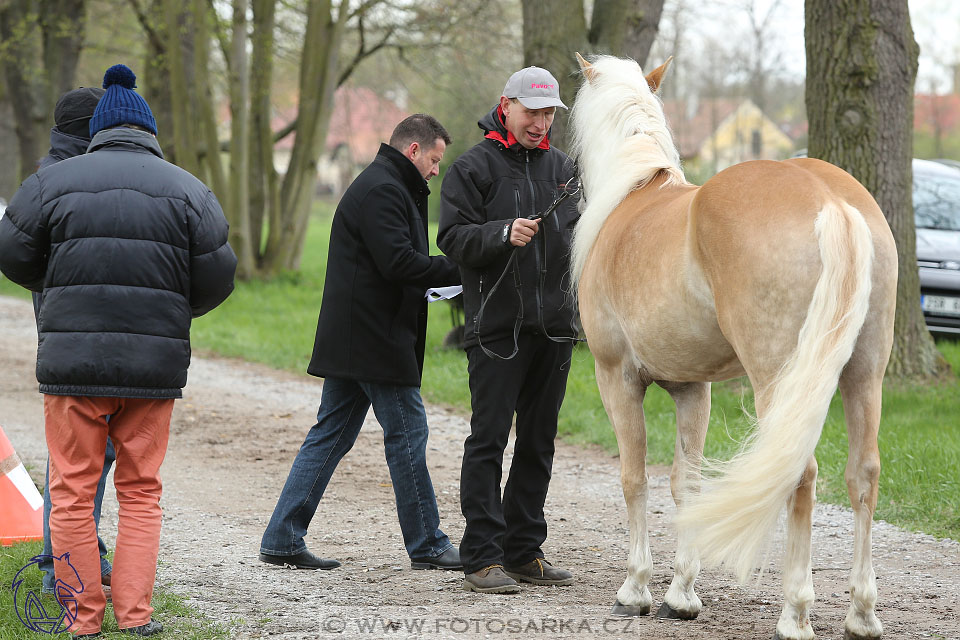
(506, 232)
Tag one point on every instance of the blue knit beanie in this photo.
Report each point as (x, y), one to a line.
(121, 104)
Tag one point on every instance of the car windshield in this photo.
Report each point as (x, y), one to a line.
(936, 202)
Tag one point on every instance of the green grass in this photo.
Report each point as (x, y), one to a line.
(274, 323)
(180, 620)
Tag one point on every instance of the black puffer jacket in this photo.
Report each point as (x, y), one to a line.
(373, 318)
(62, 146)
(483, 191)
(126, 248)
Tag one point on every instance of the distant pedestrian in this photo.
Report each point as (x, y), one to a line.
(126, 249)
(369, 347)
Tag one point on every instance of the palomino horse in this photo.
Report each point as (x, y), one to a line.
(781, 271)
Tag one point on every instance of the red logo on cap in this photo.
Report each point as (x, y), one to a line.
(534, 85)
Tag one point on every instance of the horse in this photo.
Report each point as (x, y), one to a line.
(782, 271)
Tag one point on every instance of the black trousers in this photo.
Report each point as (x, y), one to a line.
(532, 385)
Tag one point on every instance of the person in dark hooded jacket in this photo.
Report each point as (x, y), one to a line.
(519, 327)
(70, 137)
(127, 249)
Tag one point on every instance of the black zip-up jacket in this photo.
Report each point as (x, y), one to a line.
(484, 190)
(126, 248)
(373, 318)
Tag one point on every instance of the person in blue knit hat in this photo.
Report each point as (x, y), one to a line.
(121, 105)
(127, 248)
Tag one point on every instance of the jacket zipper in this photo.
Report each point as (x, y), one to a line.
(536, 245)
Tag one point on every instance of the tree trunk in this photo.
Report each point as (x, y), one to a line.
(552, 32)
(238, 203)
(23, 71)
(861, 67)
(318, 79)
(9, 178)
(154, 82)
(184, 153)
(642, 24)
(42, 43)
(264, 194)
(206, 113)
(62, 23)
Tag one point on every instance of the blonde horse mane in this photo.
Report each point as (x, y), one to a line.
(621, 142)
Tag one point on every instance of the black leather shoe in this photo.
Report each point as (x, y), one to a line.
(86, 635)
(302, 560)
(152, 628)
(449, 559)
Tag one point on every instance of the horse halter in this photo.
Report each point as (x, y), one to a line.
(568, 190)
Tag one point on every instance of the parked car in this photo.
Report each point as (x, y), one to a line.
(949, 162)
(936, 211)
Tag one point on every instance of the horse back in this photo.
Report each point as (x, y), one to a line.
(756, 242)
(643, 297)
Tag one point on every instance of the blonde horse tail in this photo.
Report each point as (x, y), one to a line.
(740, 501)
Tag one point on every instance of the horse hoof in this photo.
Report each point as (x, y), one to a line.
(629, 610)
(669, 613)
(856, 636)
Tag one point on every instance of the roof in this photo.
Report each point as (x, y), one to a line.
(933, 112)
(361, 120)
(690, 132)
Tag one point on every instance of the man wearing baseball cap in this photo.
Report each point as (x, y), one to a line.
(518, 336)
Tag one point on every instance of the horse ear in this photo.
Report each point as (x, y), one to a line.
(656, 76)
(588, 71)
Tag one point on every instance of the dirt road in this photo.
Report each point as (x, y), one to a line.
(234, 436)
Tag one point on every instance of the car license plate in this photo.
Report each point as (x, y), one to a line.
(942, 305)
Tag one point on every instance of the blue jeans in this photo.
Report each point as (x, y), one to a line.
(49, 579)
(343, 406)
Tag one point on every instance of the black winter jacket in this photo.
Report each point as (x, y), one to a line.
(484, 190)
(63, 146)
(373, 317)
(126, 248)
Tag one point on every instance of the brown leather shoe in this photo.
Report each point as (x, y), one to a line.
(491, 579)
(539, 571)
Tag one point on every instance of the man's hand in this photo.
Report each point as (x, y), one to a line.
(523, 231)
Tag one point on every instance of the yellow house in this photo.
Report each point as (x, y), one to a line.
(718, 133)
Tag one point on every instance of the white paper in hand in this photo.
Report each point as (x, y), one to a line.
(443, 293)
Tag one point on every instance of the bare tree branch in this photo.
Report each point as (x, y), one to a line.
(155, 40)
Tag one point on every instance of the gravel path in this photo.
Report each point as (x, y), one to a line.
(234, 436)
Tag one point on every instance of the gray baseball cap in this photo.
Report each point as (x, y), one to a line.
(535, 88)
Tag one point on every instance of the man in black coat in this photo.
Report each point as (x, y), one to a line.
(519, 335)
(127, 249)
(369, 348)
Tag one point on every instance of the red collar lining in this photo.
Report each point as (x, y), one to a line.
(511, 140)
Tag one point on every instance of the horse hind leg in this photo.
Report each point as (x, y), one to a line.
(693, 416)
(798, 593)
(861, 406)
(622, 390)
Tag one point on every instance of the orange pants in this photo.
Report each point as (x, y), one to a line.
(77, 431)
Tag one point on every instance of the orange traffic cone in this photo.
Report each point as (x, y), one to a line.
(21, 505)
